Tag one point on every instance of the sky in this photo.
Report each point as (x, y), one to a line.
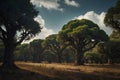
(53, 14)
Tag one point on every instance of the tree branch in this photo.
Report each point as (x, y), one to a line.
(64, 47)
(87, 49)
(53, 50)
(22, 38)
(4, 34)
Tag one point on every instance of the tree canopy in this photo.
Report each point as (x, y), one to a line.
(16, 24)
(83, 35)
(55, 46)
(37, 49)
(17, 16)
(112, 18)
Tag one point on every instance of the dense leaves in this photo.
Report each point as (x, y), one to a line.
(18, 16)
(112, 18)
(37, 49)
(111, 48)
(16, 24)
(83, 35)
(55, 46)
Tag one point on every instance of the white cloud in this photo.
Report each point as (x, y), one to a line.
(48, 4)
(71, 3)
(44, 32)
(96, 18)
(40, 20)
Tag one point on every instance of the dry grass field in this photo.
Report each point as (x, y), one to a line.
(44, 71)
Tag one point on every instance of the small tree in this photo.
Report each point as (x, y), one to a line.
(69, 55)
(37, 49)
(16, 24)
(55, 46)
(91, 57)
(83, 35)
(111, 49)
(22, 53)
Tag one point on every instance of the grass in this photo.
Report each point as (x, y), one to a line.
(36, 71)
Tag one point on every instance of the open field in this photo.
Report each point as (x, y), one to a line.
(36, 71)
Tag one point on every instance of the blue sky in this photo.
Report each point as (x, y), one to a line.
(53, 14)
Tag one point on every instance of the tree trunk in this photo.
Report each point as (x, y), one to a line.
(39, 57)
(8, 59)
(110, 61)
(79, 57)
(67, 58)
(59, 57)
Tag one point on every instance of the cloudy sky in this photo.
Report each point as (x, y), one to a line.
(53, 14)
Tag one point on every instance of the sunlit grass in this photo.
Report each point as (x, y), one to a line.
(72, 72)
(54, 71)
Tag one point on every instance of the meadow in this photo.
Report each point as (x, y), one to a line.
(54, 71)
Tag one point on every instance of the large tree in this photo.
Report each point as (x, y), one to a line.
(37, 49)
(16, 24)
(112, 18)
(83, 35)
(55, 46)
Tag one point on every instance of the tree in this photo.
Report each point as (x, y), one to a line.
(112, 18)
(111, 49)
(16, 24)
(55, 46)
(37, 49)
(115, 35)
(22, 53)
(1, 51)
(49, 56)
(68, 55)
(83, 35)
(91, 57)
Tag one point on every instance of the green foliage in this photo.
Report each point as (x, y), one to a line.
(37, 49)
(17, 23)
(30, 52)
(91, 57)
(111, 49)
(50, 40)
(22, 53)
(55, 46)
(17, 20)
(81, 29)
(112, 18)
(115, 36)
(82, 35)
(49, 56)
(68, 55)
(37, 43)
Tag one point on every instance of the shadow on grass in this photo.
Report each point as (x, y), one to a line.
(21, 74)
(110, 66)
(68, 75)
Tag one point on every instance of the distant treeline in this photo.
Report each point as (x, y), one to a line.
(46, 51)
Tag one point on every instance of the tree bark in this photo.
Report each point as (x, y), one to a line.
(110, 61)
(59, 57)
(8, 59)
(79, 57)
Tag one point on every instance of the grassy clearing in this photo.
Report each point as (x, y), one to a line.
(36, 71)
